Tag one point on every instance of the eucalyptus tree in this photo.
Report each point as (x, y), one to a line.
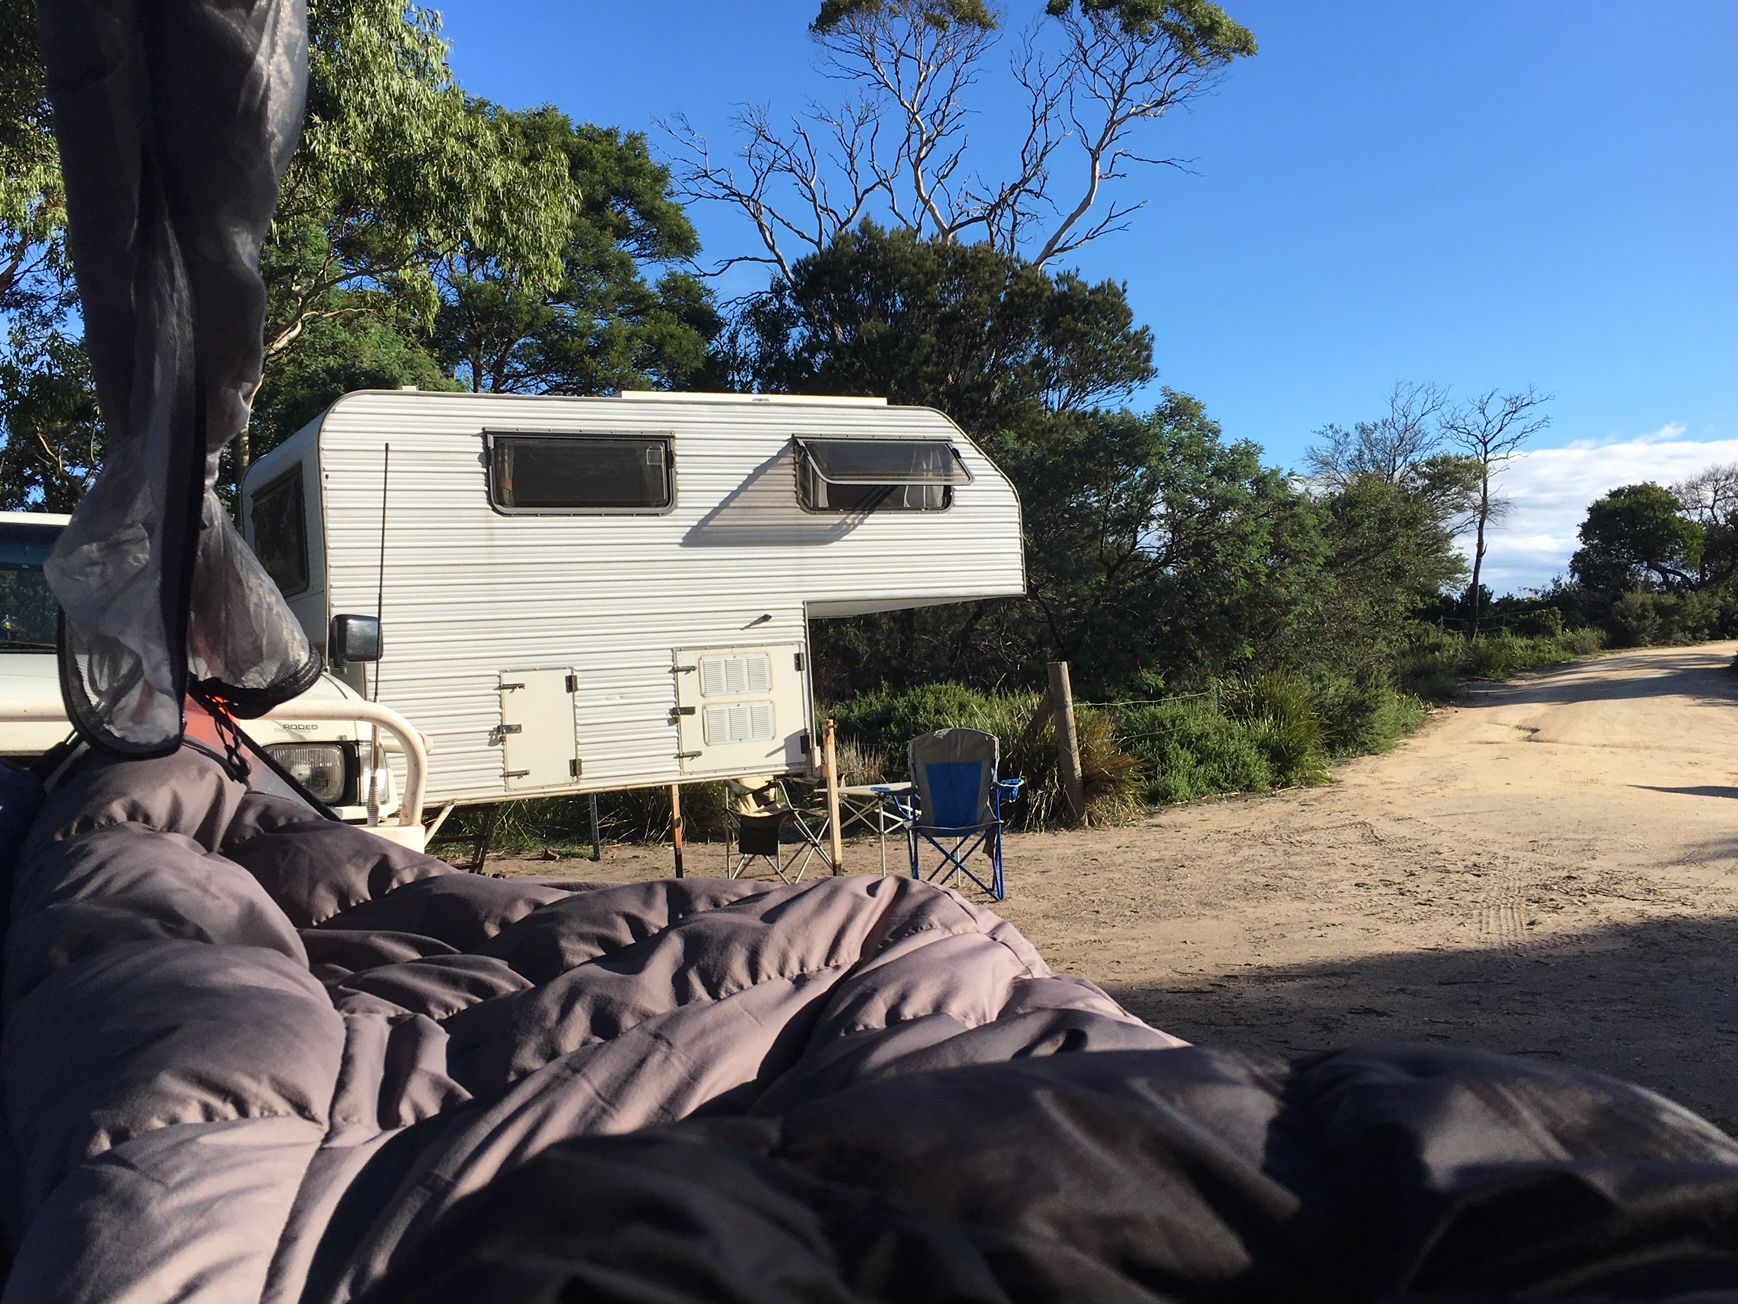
(1091, 78)
(622, 312)
(397, 168)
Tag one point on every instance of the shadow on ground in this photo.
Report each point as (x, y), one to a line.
(1689, 673)
(1656, 1003)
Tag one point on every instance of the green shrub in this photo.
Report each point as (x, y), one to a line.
(1281, 713)
(1364, 715)
(1546, 622)
(1495, 656)
(1634, 621)
(1686, 617)
(1435, 662)
(1295, 753)
(1583, 642)
(1192, 750)
(888, 719)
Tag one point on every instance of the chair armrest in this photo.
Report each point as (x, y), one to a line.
(1011, 787)
(904, 803)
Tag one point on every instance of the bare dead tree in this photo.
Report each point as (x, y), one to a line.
(1710, 498)
(1092, 76)
(1711, 495)
(1490, 429)
(1394, 447)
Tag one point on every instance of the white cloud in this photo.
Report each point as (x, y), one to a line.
(1550, 489)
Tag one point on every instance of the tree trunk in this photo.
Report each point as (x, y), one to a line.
(906, 623)
(1478, 552)
(963, 640)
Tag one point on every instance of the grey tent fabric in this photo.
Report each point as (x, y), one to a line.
(176, 119)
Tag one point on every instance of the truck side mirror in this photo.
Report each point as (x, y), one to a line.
(353, 639)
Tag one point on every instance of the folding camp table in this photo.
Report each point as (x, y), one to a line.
(861, 805)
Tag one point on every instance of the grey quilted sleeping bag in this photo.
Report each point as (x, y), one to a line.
(252, 1054)
(249, 1054)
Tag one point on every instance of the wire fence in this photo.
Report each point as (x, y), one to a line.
(1487, 622)
(1123, 736)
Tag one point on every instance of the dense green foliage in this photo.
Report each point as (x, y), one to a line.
(994, 338)
(1658, 564)
(615, 315)
(422, 236)
(1637, 537)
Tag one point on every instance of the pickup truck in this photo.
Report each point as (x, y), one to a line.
(331, 758)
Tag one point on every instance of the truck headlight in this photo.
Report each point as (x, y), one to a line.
(318, 767)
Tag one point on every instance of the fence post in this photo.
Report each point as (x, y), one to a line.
(1067, 740)
(676, 830)
(830, 758)
(596, 841)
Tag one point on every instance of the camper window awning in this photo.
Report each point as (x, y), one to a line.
(884, 461)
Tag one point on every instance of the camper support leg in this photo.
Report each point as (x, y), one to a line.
(485, 836)
(835, 829)
(596, 842)
(676, 831)
(434, 828)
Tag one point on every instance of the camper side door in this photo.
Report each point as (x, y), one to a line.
(742, 710)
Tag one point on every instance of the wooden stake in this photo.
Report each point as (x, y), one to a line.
(830, 761)
(1067, 740)
(676, 838)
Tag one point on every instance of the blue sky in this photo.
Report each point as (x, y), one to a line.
(1482, 195)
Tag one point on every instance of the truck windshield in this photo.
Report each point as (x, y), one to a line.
(27, 609)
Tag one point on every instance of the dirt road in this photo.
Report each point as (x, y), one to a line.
(1550, 868)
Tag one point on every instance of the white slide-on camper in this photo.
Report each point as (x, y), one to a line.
(591, 594)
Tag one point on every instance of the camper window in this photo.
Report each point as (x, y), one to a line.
(580, 473)
(280, 532)
(868, 475)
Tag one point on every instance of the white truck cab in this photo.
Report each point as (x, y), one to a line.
(330, 757)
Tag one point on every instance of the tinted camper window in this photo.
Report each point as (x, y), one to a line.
(580, 473)
(280, 532)
(869, 475)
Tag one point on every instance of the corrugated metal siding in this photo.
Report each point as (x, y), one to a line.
(470, 592)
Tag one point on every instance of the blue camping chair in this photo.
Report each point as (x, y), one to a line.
(956, 805)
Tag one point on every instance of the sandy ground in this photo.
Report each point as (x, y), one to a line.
(1550, 869)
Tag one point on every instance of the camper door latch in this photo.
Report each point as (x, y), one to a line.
(683, 670)
(680, 710)
(686, 756)
(500, 731)
(508, 688)
(515, 774)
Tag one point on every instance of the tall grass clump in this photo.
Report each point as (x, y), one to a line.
(1361, 715)
(564, 823)
(1281, 712)
(1435, 663)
